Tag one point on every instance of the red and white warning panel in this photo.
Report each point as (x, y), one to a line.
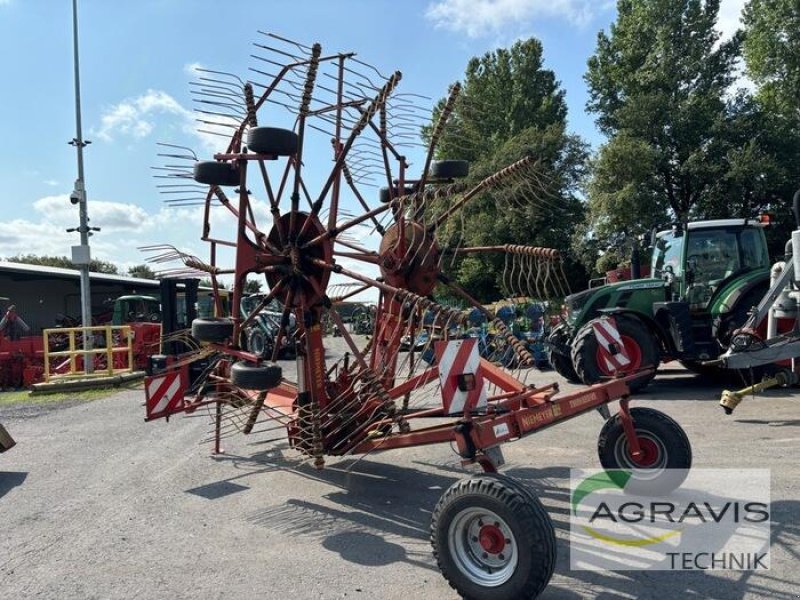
(164, 394)
(463, 387)
(610, 345)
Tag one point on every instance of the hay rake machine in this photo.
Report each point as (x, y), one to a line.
(491, 536)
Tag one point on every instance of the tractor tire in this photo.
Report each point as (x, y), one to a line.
(639, 345)
(667, 452)
(493, 539)
(449, 169)
(738, 317)
(211, 172)
(562, 363)
(213, 330)
(251, 376)
(257, 344)
(272, 140)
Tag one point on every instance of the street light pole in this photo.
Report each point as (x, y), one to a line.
(80, 254)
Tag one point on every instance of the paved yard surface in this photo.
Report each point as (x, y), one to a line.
(94, 503)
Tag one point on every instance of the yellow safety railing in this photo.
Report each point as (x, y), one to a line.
(104, 346)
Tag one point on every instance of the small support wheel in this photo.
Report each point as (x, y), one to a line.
(213, 330)
(211, 172)
(251, 376)
(272, 140)
(666, 452)
(449, 169)
(492, 539)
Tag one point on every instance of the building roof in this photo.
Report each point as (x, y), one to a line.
(12, 268)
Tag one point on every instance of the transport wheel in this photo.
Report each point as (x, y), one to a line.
(272, 140)
(211, 172)
(640, 347)
(449, 169)
(666, 451)
(251, 376)
(492, 539)
(214, 330)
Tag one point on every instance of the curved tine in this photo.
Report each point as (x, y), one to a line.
(187, 148)
(302, 47)
(223, 73)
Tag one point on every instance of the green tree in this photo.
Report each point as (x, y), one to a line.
(772, 53)
(657, 84)
(511, 107)
(142, 271)
(96, 266)
(680, 145)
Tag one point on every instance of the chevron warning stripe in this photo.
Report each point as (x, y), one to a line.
(611, 346)
(454, 358)
(164, 394)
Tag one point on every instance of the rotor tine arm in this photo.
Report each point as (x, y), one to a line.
(447, 110)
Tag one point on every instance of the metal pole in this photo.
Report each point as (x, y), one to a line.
(80, 191)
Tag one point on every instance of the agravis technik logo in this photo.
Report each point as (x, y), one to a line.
(717, 519)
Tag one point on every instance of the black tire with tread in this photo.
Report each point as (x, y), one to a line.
(211, 172)
(449, 169)
(584, 351)
(384, 197)
(525, 515)
(257, 343)
(654, 424)
(252, 376)
(562, 363)
(272, 140)
(215, 330)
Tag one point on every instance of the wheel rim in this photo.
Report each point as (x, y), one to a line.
(483, 547)
(652, 461)
(632, 350)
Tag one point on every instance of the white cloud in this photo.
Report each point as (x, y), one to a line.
(134, 117)
(111, 216)
(730, 14)
(137, 118)
(479, 18)
(191, 69)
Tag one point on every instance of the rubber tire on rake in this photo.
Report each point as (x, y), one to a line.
(662, 432)
(585, 350)
(251, 376)
(520, 512)
(449, 169)
(272, 140)
(211, 172)
(214, 330)
(384, 196)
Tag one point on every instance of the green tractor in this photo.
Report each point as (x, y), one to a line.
(703, 281)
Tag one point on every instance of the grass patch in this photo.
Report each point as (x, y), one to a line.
(17, 397)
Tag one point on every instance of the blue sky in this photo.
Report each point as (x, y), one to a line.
(136, 65)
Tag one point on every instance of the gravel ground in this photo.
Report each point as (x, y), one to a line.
(94, 503)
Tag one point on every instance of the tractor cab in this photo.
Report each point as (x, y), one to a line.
(136, 309)
(704, 258)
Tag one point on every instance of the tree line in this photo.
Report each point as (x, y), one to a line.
(684, 138)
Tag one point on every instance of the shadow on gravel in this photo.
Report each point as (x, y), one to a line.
(371, 516)
(775, 423)
(10, 480)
